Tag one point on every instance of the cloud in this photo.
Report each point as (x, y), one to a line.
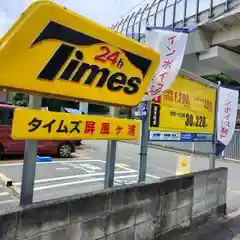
(106, 12)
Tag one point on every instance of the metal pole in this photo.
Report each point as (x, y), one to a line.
(212, 160)
(193, 147)
(142, 167)
(29, 165)
(111, 156)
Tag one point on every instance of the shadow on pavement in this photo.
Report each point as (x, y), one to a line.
(227, 231)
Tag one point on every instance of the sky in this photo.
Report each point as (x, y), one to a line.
(106, 12)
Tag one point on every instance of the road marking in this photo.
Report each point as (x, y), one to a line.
(75, 166)
(4, 194)
(74, 176)
(78, 182)
(8, 201)
(125, 168)
(62, 168)
(122, 165)
(152, 176)
(234, 190)
(88, 168)
(53, 162)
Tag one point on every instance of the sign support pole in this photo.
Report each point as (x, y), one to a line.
(84, 107)
(212, 160)
(30, 154)
(111, 155)
(142, 167)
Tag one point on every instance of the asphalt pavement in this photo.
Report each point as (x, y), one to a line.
(84, 172)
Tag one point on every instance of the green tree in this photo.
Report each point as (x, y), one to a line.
(223, 79)
(20, 99)
(98, 109)
(125, 112)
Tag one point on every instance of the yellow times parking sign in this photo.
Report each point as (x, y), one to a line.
(43, 125)
(54, 51)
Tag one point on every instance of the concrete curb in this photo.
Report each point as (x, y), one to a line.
(5, 180)
(15, 191)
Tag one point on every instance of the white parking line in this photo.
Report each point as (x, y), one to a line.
(62, 168)
(79, 182)
(152, 176)
(53, 162)
(8, 201)
(234, 191)
(4, 194)
(74, 176)
(125, 168)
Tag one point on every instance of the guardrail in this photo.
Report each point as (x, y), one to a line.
(171, 13)
(232, 151)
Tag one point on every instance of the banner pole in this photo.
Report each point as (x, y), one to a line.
(212, 159)
(111, 155)
(142, 168)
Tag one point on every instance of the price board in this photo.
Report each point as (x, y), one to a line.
(185, 112)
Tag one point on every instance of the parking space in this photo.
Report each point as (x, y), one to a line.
(67, 177)
(83, 172)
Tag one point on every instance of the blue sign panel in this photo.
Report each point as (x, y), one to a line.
(179, 137)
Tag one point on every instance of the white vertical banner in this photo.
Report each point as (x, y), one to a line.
(227, 114)
(171, 44)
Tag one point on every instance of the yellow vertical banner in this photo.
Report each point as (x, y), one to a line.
(184, 113)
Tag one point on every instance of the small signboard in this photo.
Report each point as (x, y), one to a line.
(44, 125)
(54, 51)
